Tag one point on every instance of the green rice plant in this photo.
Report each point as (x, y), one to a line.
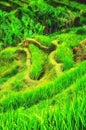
(2, 80)
(18, 85)
(64, 55)
(81, 85)
(83, 20)
(44, 40)
(66, 114)
(70, 39)
(8, 66)
(10, 30)
(7, 55)
(38, 60)
(43, 18)
(59, 104)
(78, 6)
(48, 90)
(81, 30)
(9, 69)
(13, 29)
(69, 116)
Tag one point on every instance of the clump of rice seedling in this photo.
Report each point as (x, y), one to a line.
(45, 40)
(81, 30)
(7, 55)
(45, 91)
(18, 85)
(64, 55)
(38, 60)
(71, 39)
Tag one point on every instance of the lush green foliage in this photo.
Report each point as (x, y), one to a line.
(68, 118)
(38, 61)
(42, 85)
(43, 92)
(64, 55)
(71, 39)
(36, 18)
(44, 40)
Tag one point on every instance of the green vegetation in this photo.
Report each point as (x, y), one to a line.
(38, 60)
(71, 38)
(42, 65)
(64, 55)
(44, 40)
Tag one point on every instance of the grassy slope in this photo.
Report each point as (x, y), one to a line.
(64, 91)
(32, 93)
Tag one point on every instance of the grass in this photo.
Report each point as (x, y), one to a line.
(9, 69)
(8, 66)
(71, 38)
(33, 96)
(42, 89)
(14, 82)
(78, 6)
(7, 55)
(44, 40)
(53, 116)
(18, 85)
(61, 102)
(38, 60)
(65, 55)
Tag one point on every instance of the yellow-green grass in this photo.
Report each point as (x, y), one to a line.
(13, 81)
(31, 97)
(44, 40)
(78, 6)
(65, 55)
(7, 54)
(39, 59)
(70, 39)
(12, 69)
(8, 65)
(8, 71)
(57, 104)
(67, 112)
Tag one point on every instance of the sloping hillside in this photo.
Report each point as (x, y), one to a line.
(42, 65)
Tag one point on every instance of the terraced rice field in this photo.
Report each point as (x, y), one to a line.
(43, 79)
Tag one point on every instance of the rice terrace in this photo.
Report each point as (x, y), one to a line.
(42, 64)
